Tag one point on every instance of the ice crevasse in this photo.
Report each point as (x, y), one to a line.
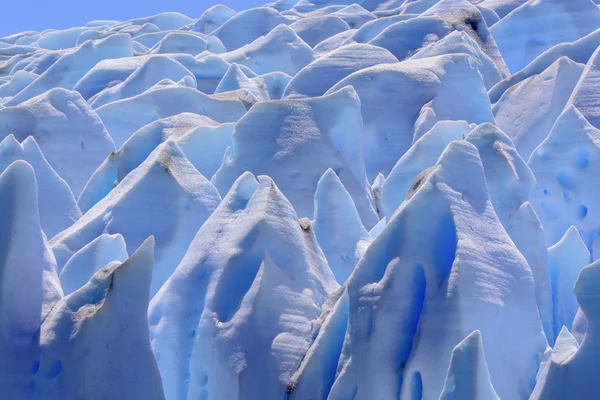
(311, 199)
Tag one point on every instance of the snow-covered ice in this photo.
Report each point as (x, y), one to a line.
(311, 199)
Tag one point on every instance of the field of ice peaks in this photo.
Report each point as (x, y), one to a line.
(309, 200)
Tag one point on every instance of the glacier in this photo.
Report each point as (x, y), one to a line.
(306, 200)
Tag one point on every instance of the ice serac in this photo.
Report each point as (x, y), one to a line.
(373, 28)
(414, 297)
(92, 346)
(313, 30)
(568, 372)
(248, 25)
(187, 43)
(580, 325)
(90, 259)
(57, 207)
(72, 66)
(526, 231)
(69, 133)
(316, 373)
(208, 71)
(202, 140)
(235, 79)
(509, 179)
(509, 182)
(468, 376)
(527, 111)
(213, 18)
(584, 96)
(567, 258)
(333, 43)
(122, 118)
(338, 227)
(460, 42)
(377, 188)
(537, 25)
(279, 50)
(153, 70)
(404, 38)
(18, 81)
(393, 96)
(563, 165)
(166, 21)
(423, 154)
(579, 51)
(463, 16)
(165, 197)
(295, 142)
(234, 320)
(502, 7)
(320, 75)
(30, 286)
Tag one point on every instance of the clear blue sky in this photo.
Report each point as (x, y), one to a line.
(21, 15)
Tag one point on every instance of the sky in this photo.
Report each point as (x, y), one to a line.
(37, 15)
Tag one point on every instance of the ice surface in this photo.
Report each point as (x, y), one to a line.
(322, 199)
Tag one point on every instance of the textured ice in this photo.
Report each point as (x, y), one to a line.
(562, 165)
(280, 50)
(468, 376)
(122, 118)
(394, 97)
(202, 140)
(235, 317)
(319, 76)
(68, 131)
(88, 342)
(30, 285)
(134, 210)
(297, 143)
(545, 95)
(90, 259)
(567, 258)
(422, 295)
(567, 374)
(556, 21)
(311, 199)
